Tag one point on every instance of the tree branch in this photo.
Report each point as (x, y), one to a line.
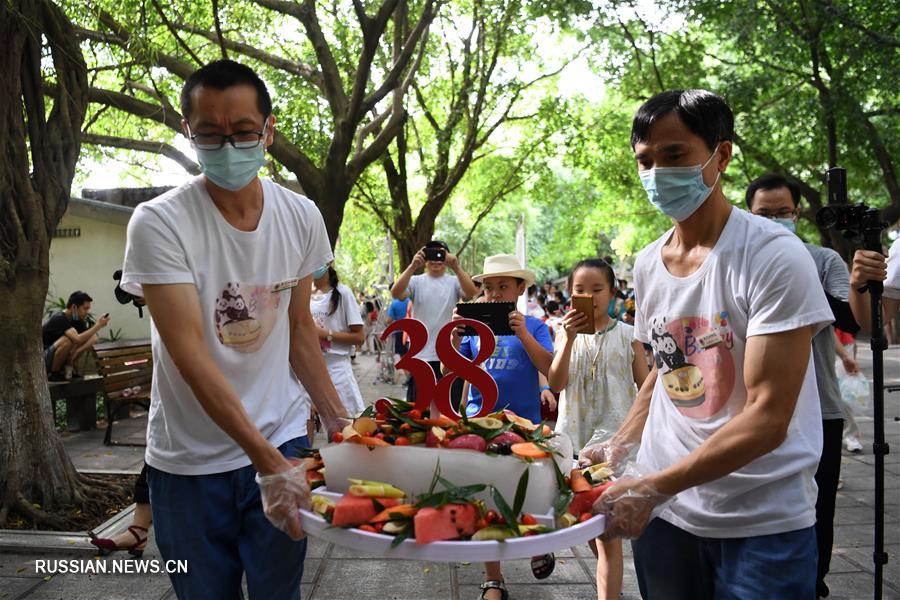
(218, 24)
(305, 71)
(174, 33)
(162, 148)
(333, 83)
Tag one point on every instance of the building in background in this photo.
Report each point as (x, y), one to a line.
(88, 247)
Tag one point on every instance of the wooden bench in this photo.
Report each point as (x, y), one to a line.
(81, 401)
(126, 369)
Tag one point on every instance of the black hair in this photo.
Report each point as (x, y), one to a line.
(335, 301)
(772, 181)
(78, 298)
(221, 75)
(438, 244)
(560, 297)
(704, 113)
(552, 306)
(594, 263)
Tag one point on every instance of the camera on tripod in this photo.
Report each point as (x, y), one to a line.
(124, 297)
(861, 224)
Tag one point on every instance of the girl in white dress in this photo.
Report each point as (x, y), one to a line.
(340, 327)
(596, 375)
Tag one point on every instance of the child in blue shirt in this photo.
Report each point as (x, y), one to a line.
(514, 365)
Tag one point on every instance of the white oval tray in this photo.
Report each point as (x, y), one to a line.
(461, 551)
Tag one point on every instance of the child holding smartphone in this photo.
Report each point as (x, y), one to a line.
(515, 365)
(596, 374)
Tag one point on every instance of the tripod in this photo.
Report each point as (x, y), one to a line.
(862, 225)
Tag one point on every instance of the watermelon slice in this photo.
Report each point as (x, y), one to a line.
(583, 501)
(448, 522)
(356, 510)
(314, 479)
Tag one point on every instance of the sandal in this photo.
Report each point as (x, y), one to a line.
(494, 584)
(542, 566)
(108, 545)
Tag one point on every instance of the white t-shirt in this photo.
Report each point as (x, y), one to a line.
(757, 280)
(181, 237)
(892, 284)
(433, 301)
(347, 314)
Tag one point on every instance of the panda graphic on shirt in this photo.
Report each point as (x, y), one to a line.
(682, 381)
(245, 315)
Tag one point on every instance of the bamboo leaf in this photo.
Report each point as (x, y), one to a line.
(520, 492)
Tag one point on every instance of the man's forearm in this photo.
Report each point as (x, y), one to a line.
(861, 306)
(398, 291)
(308, 364)
(220, 401)
(465, 283)
(753, 433)
(632, 427)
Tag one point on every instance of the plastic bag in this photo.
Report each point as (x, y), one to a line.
(855, 389)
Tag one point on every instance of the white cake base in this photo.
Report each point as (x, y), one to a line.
(411, 468)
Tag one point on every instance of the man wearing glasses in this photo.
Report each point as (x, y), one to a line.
(777, 198)
(224, 264)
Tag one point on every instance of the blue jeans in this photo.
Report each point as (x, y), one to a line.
(673, 564)
(216, 523)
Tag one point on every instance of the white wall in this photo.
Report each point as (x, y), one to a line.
(87, 263)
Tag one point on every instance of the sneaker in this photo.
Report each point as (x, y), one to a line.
(852, 444)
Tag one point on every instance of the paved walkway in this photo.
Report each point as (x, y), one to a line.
(334, 573)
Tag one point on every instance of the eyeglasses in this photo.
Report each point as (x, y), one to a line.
(784, 213)
(243, 140)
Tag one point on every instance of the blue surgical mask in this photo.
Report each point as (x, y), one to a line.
(787, 224)
(319, 272)
(677, 191)
(229, 167)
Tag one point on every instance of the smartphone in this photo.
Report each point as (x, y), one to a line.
(105, 315)
(435, 254)
(584, 303)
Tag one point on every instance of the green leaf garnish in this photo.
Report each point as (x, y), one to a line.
(519, 500)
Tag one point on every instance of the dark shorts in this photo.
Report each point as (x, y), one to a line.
(49, 353)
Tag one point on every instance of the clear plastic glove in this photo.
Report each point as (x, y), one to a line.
(604, 448)
(283, 493)
(629, 505)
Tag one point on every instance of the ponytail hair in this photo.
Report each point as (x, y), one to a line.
(594, 263)
(335, 300)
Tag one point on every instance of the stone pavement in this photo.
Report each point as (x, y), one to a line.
(334, 573)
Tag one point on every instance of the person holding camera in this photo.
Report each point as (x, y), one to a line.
(66, 336)
(777, 198)
(433, 295)
(872, 266)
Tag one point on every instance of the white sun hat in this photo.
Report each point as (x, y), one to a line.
(505, 265)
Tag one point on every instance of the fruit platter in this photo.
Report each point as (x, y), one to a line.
(403, 484)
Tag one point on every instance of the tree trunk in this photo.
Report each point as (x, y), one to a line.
(38, 153)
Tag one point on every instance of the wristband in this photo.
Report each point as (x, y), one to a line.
(545, 387)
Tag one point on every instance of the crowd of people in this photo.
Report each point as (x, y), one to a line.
(711, 381)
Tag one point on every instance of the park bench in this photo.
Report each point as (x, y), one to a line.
(126, 370)
(81, 401)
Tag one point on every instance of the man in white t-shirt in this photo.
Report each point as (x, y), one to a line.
(729, 420)
(872, 266)
(434, 294)
(224, 264)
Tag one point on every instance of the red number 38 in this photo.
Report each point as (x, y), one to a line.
(428, 389)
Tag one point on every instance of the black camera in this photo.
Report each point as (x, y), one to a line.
(124, 297)
(861, 224)
(434, 253)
